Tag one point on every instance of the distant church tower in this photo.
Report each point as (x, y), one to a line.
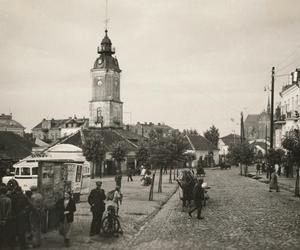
(106, 108)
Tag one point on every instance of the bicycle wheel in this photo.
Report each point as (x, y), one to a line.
(110, 225)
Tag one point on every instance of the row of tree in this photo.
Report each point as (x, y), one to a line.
(159, 151)
(243, 153)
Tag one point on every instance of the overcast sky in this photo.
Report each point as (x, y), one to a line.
(189, 63)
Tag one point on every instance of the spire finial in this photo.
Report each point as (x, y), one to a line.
(106, 14)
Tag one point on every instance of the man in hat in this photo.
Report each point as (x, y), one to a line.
(96, 200)
(198, 196)
(36, 215)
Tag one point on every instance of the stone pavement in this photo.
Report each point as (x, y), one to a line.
(241, 214)
(135, 211)
(285, 183)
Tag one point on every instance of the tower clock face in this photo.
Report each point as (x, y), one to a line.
(99, 82)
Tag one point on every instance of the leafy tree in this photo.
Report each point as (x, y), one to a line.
(159, 154)
(119, 151)
(292, 143)
(242, 153)
(177, 144)
(212, 134)
(94, 151)
(142, 154)
(275, 156)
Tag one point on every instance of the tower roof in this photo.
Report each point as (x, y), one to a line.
(106, 60)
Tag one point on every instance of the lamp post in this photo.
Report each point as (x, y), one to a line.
(272, 108)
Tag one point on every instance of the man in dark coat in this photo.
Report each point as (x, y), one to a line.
(20, 209)
(5, 213)
(96, 200)
(198, 196)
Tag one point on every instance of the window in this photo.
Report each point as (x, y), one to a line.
(25, 171)
(34, 171)
(17, 171)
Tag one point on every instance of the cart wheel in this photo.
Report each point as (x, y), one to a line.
(110, 225)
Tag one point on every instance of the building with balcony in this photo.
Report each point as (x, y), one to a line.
(287, 112)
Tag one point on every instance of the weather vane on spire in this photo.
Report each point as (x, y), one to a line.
(106, 14)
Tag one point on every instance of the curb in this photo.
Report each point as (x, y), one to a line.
(151, 216)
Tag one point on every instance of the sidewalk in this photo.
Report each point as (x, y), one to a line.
(135, 211)
(285, 183)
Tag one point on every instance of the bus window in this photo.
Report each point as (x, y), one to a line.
(25, 171)
(34, 171)
(17, 171)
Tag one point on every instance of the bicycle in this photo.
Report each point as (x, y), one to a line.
(110, 224)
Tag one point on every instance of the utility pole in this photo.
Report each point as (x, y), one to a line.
(272, 109)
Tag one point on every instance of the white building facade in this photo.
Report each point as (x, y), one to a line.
(287, 114)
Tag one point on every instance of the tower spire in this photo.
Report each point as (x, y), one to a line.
(106, 16)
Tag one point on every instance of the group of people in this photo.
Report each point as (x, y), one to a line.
(22, 216)
(97, 199)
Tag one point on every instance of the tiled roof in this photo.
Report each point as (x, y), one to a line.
(111, 136)
(13, 146)
(55, 123)
(230, 139)
(10, 123)
(201, 143)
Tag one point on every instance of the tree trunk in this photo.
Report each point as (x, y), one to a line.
(151, 188)
(245, 169)
(297, 191)
(175, 166)
(93, 170)
(160, 180)
(170, 175)
(241, 169)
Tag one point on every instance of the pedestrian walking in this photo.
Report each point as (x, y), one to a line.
(274, 182)
(96, 200)
(36, 216)
(66, 208)
(5, 214)
(263, 167)
(129, 174)
(198, 196)
(165, 170)
(258, 168)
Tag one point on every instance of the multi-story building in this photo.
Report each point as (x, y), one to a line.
(51, 130)
(287, 113)
(144, 129)
(10, 125)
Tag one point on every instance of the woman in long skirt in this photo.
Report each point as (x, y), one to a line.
(274, 182)
(66, 208)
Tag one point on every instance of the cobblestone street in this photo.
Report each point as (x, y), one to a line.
(241, 214)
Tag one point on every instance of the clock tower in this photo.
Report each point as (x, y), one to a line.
(106, 108)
